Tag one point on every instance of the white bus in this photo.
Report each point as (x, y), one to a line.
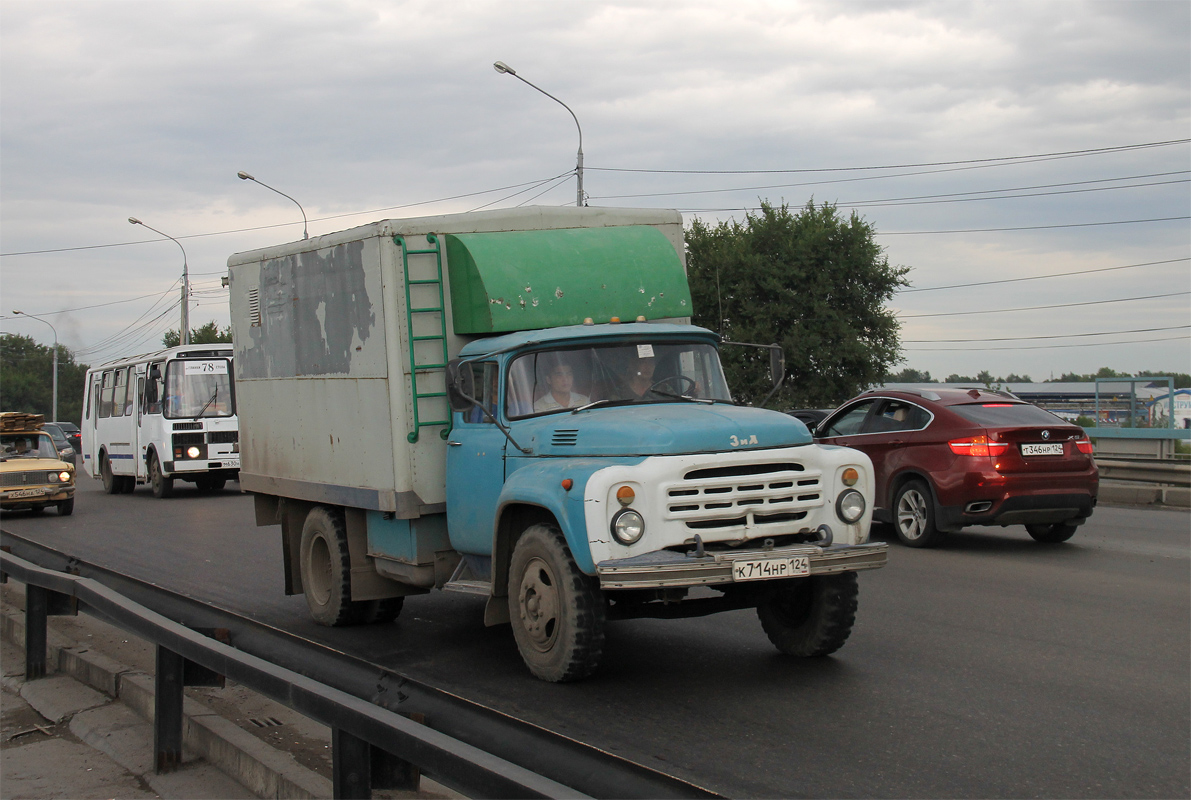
(162, 417)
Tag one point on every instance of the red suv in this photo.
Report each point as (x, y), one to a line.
(950, 458)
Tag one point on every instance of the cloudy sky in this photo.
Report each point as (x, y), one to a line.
(1014, 155)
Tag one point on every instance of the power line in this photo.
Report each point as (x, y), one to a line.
(1039, 277)
(1039, 346)
(1035, 227)
(1038, 308)
(958, 199)
(1057, 336)
(277, 225)
(1060, 154)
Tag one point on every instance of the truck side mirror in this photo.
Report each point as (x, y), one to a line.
(777, 365)
(461, 385)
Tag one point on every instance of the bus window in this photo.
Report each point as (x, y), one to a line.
(105, 397)
(120, 393)
(153, 389)
(197, 388)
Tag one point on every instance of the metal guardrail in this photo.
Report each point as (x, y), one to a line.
(371, 744)
(1173, 473)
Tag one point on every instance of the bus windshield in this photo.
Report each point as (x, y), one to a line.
(657, 372)
(198, 387)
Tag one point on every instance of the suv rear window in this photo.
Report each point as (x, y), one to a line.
(1000, 415)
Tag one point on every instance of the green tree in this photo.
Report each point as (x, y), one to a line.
(1015, 378)
(910, 375)
(814, 282)
(953, 378)
(27, 379)
(207, 334)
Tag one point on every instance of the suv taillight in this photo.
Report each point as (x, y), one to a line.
(977, 446)
(1084, 445)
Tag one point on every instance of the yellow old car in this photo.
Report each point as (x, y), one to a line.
(31, 474)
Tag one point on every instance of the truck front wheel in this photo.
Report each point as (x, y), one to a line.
(557, 612)
(326, 568)
(810, 617)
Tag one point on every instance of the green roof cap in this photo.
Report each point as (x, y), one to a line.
(527, 280)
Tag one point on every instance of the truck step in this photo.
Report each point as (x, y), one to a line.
(483, 588)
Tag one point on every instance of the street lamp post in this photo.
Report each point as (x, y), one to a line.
(54, 411)
(244, 176)
(505, 69)
(184, 336)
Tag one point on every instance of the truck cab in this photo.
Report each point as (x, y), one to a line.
(621, 445)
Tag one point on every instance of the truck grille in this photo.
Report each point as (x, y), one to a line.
(723, 497)
(23, 478)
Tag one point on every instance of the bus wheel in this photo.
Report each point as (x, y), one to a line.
(111, 484)
(162, 486)
(326, 568)
(557, 612)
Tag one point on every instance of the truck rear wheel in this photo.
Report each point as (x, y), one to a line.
(810, 617)
(326, 568)
(380, 611)
(557, 612)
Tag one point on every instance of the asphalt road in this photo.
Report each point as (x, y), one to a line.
(990, 667)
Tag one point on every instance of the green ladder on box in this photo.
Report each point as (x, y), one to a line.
(441, 336)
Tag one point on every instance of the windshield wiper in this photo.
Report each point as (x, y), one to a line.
(683, 397)
(605, 401)
(207, 404)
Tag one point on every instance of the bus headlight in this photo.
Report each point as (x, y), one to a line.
(849, 506)
(627, 526)
(193, 452)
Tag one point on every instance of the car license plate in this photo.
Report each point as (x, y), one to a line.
(27, 493)
(766, 568)
(1051, 449)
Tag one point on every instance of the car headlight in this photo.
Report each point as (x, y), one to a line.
(849, 506)
(628, 526)
(64, 476)
(52, 477)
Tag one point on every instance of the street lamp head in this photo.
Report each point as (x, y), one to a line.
(135, 221)
(504, 68)
(18, 312)
(244, 176)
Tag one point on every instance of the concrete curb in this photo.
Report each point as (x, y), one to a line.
(263, 770)
(1123, 493)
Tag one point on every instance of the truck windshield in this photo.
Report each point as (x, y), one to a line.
(198, 387)
(549, 381)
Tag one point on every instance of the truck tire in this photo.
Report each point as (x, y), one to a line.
(326, 569)
(914, 515)
(1052, 534)
(66, 507)
(810, 617)
(557, 612)
(381, 611)
(163, 487)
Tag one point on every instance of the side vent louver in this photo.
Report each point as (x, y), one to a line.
(254, 307)
(565, 438)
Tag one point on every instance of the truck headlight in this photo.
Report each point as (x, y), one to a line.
(849, 506)
(627, 526)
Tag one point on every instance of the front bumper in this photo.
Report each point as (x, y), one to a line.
(665, 568)
(51, 494)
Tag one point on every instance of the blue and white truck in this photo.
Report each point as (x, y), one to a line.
(514, 404)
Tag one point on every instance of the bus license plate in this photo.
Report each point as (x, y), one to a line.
(231, 463)
(1051, 449)
(27, 493)
(768, 568)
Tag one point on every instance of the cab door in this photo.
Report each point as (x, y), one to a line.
(476, 467)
